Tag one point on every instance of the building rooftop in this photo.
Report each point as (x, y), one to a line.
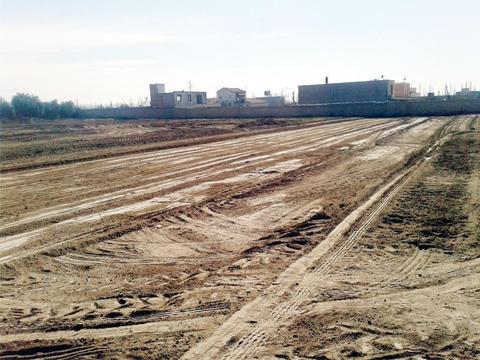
(235, 90)
(187, 91)
(352, 82)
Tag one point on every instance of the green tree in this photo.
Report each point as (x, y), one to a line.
(50, 109)
(27, 105)
(67, 109)
(6, 110)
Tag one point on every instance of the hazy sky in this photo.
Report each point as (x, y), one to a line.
(100, 51)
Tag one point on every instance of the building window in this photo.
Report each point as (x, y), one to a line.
(179, 98)
(189, 98)
(199, 99)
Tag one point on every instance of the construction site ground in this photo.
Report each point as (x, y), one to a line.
(320, 238)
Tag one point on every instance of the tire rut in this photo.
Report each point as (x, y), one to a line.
(258, 336)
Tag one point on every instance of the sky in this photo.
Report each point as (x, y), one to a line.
(97, 52)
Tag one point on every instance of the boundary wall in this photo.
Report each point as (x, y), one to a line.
(363, 109)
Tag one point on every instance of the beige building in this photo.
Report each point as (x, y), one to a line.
(401, 90)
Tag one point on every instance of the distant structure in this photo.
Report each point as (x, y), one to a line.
(466, 92)
(212, 101)
(157, 89)
(231, 96)
(414, 92)
(375, 90)
(401, 90)
(267, 101)
(160, 98)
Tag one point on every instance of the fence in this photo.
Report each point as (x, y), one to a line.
(365, 109)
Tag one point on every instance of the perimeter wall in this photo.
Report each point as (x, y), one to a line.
(365, 109)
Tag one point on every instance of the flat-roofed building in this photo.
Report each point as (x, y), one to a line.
(160, 98)
(360, 91)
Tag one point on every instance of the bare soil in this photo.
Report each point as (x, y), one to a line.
(290, 239)
(40, 143)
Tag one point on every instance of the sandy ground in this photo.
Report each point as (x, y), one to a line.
(231, 240)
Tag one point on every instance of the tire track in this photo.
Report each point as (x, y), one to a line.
(309, 279)
(417, 261)
(317, 137)
(353, 130)
(251, 344)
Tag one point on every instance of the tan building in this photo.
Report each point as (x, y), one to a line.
(401, 90)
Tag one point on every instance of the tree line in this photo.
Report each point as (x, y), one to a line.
(30, 106)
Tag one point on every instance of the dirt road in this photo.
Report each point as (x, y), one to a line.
(249, 246)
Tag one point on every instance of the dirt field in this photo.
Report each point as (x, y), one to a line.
(268, 239)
